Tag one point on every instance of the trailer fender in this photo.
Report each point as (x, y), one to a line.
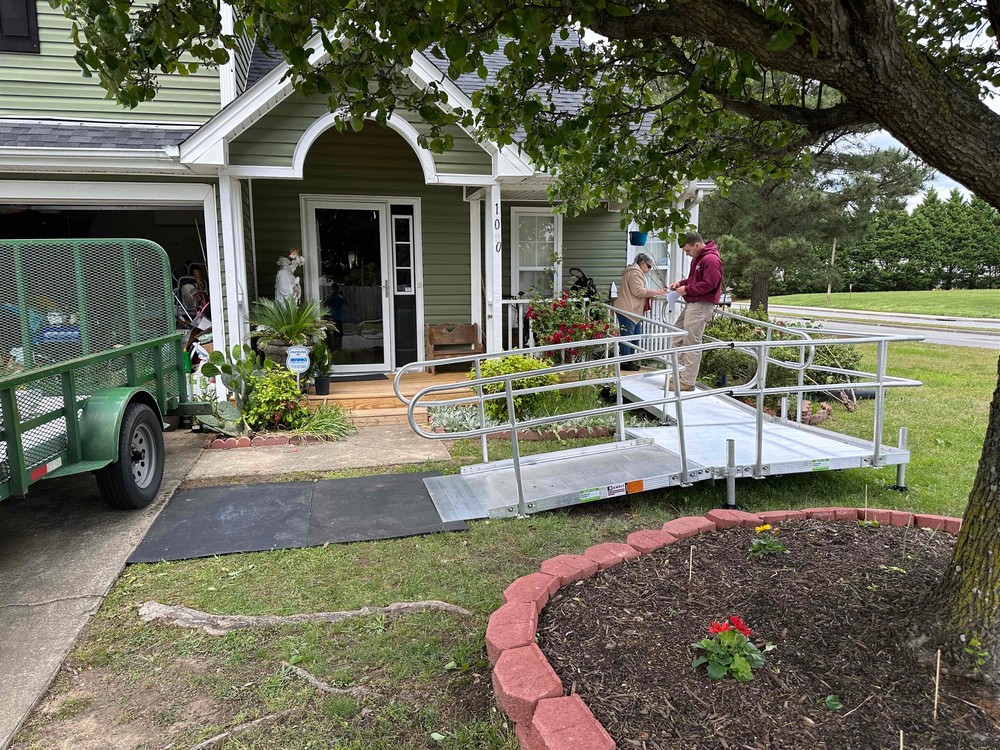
(101, 421)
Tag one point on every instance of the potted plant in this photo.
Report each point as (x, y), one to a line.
(280, 325)
(319, 368)
(637, 239)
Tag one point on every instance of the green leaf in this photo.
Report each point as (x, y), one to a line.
(451, 665)
(833, 702)
(814, 45)
(782, 40)
(437, 737)
(717, 671)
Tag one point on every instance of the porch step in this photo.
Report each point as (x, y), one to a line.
(395, 415)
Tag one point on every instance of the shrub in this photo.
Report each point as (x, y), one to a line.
(497, 409)
(275, 402)
(738, 366)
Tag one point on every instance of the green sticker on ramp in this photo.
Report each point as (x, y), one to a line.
(586, 496)
(821, 464)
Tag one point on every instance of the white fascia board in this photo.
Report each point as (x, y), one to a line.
(507, 160)
(89, 160)
(84, 193)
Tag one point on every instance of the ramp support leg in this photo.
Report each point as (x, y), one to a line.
(515, 452)
(730, 474)
(900, 485)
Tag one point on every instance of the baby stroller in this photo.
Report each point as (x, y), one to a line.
(583, 283)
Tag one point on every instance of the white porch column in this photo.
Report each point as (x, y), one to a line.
(494, 273)
(233, 257)
(476, 245)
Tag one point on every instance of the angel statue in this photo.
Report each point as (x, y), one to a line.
(286, 283)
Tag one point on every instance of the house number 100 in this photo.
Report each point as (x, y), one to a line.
(496, 226)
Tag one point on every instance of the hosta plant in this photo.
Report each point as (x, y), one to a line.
(728, 650)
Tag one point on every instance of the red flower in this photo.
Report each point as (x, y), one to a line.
(740, 625)
(718, 627)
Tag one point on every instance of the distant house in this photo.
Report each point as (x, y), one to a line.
(229, 169)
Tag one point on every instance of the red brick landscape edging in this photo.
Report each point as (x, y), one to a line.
(259, 441)
(528, 689)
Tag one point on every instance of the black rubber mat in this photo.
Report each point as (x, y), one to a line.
(256, 517)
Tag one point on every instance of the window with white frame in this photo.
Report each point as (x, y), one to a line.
(536, 259)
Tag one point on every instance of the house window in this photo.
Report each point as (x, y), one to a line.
(18, 26)
(536, 260)
(402, 249)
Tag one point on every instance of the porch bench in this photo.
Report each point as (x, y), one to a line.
(452, 340)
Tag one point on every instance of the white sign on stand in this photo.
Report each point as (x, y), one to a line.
(297, 359)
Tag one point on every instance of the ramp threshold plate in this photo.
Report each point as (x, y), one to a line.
(555, 480)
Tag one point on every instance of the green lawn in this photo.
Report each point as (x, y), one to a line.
(162, 686)
(962, 303)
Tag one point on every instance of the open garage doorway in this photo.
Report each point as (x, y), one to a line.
(179, 231)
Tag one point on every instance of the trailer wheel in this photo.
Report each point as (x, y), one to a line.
(133, 481)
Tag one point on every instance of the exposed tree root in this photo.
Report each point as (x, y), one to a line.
(240, 728)
(325, 687)
(186, 617)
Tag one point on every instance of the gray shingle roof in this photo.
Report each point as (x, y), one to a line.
(70, 135)
(263, 62)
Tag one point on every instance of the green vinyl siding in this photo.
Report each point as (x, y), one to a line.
(377, 163)
(271, 141)
(593, 242)
(51, 84)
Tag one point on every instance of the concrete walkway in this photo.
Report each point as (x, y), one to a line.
(370, 447)
(61, 550)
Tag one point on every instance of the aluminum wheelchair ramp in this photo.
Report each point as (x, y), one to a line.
(787, 447)
(555, 480)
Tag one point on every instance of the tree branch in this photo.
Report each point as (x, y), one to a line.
(993, 13)
(816, 121)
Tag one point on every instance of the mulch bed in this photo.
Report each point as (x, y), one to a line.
(837, 607)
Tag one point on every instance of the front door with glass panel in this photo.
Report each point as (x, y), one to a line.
(348, 254)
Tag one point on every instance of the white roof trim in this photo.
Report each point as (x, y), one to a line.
(507, 161)
(329, 120)
(87, 160)
(275, 87)
(94, 193)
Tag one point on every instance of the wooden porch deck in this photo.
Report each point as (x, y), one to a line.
(372, 402)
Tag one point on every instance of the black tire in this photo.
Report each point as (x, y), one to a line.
(133, 481)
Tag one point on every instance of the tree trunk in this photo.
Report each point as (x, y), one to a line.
(758, 290)
(967, 600)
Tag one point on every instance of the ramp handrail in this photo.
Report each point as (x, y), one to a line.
(756, 387)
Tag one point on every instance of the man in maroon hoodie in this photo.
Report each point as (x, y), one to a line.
(701, 292)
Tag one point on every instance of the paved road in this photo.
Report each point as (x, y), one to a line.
(61, 549)
(984, 333)
(905, 319)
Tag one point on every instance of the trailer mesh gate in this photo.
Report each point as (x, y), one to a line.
(65, 299)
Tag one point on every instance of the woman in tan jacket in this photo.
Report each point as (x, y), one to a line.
(632, 296)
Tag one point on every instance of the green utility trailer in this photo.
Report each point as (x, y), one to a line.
(90, 361)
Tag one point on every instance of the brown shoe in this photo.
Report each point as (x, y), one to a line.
(684, 387)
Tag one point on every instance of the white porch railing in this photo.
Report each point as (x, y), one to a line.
(654, 334)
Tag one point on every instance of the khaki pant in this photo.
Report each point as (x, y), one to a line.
(693, 319)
